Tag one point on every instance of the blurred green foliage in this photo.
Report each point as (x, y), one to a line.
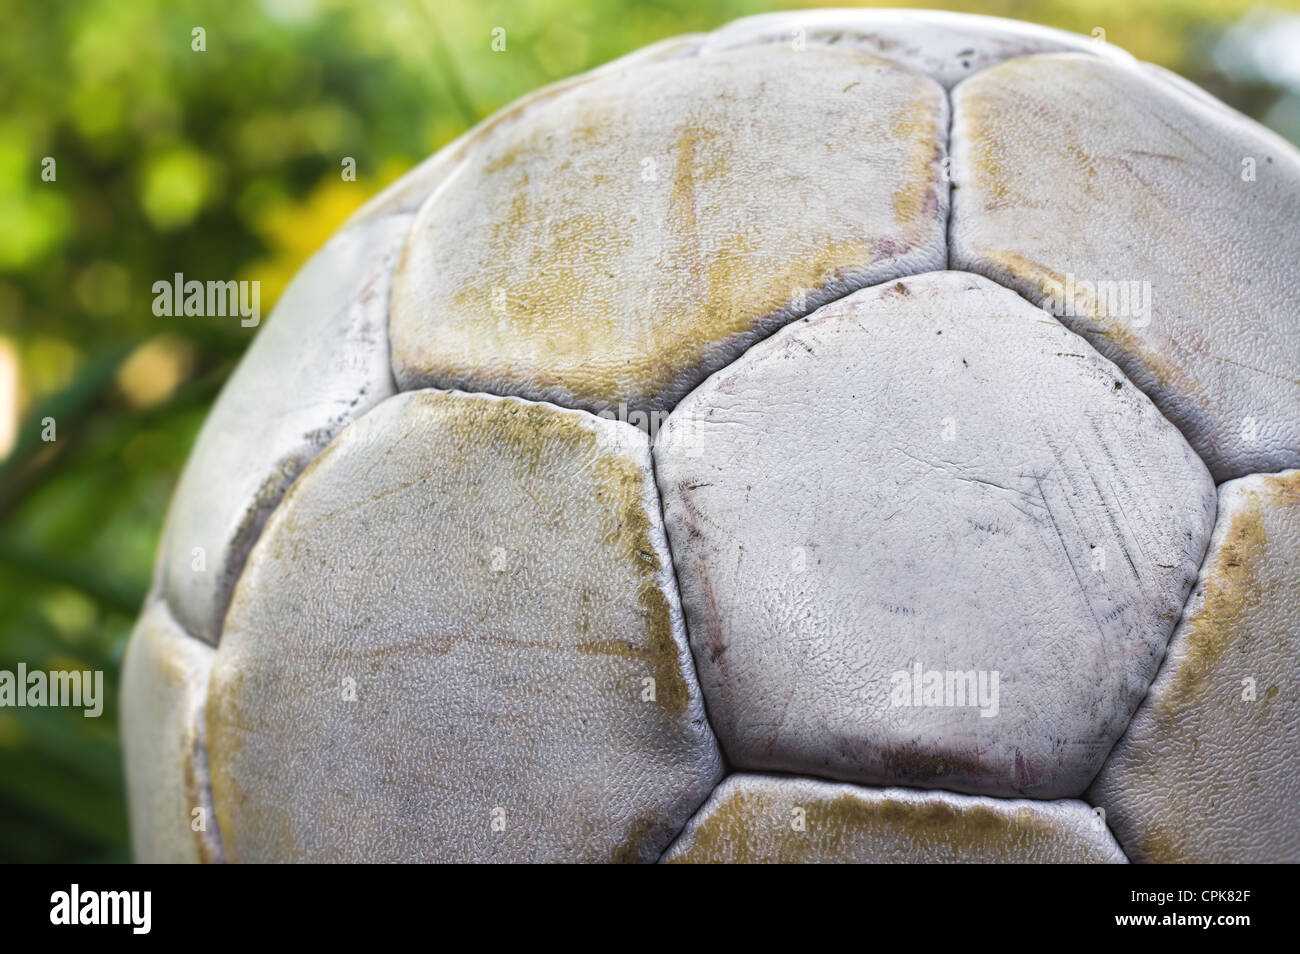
(225, 163)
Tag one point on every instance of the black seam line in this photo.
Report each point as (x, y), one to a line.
(1118, 370)
(1205, 555)
(201, 740)
(780, 776)
(1110, 829)
(727, 769)
(841, 780)
(658, 494)
(693, 54)
(1164, 656)
(672, 560)
(699, 810)
(1168, 639)
(390, 378)
(949, 169)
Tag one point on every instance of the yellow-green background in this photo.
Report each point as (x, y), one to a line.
(226, 164)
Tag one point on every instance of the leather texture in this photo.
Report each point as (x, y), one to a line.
(929, 477)
(1072, 172)
(619, 243)
(321, 363)
(763, 819)
(471, 599)
(490, 578)
(1207, 769)
(947, 46)
(161, 717)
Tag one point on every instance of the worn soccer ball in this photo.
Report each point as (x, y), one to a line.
(840, 437)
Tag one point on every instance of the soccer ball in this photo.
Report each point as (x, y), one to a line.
(845, 436)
